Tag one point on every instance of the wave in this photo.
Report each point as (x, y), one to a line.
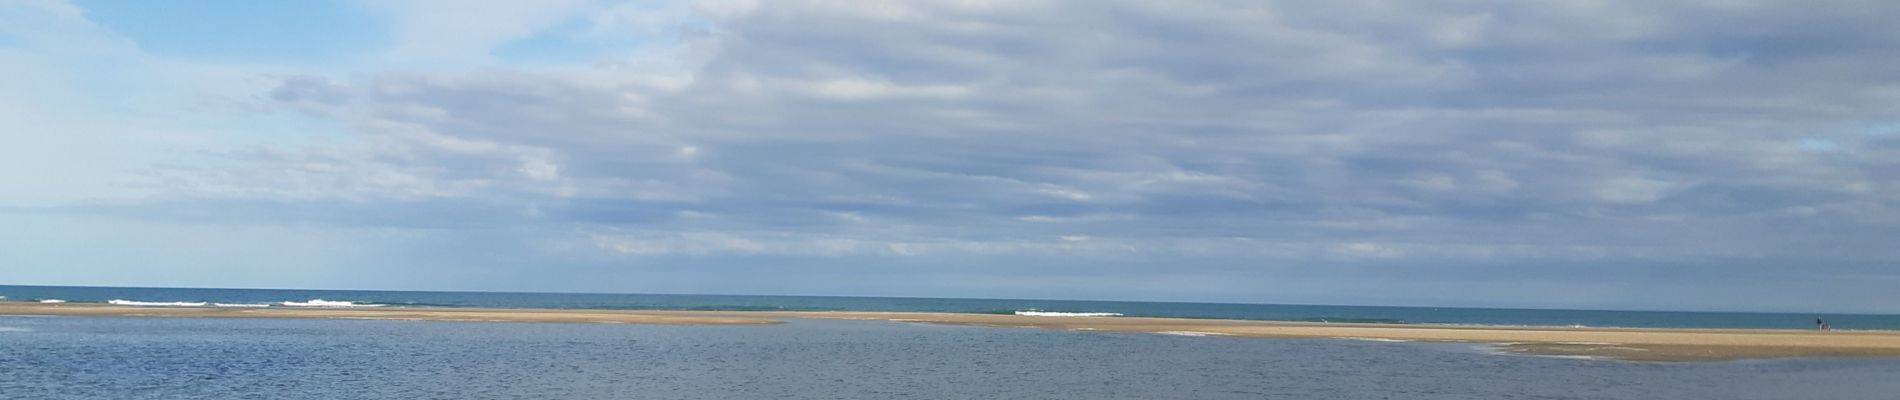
(1330, 320)
(118, 302)
(1038, 313)
(328, 303)
(52, 301)
(1559, 356)
(239, 305)
(1375, 339)
(1192, 333)
(13, 329)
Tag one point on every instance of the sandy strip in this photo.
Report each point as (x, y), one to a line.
(1611, 343)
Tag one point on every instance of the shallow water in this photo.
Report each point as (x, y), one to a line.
(196, 358)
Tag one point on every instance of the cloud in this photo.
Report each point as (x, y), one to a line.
(1250, 138)
(446, 33)
(968, 114)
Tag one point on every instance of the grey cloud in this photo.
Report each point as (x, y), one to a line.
(314, 90)
(1550, 135)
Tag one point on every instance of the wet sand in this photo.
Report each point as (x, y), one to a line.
(1638, 344)
(1610, 343)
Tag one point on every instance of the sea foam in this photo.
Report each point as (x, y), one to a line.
(327, 303)
(119, 302)
(52, 301)
(1066, 314)
(239, 305)
(1375, 339)
(1192, 333)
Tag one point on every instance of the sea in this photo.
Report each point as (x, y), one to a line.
(64, 357)
(1268, 312)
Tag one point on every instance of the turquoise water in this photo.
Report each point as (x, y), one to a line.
(73, 358)
(1411, 315)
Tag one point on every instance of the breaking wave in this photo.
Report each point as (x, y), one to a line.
(1375, 339)
(119, 302)
(1192, 333)
(52, 301)
(239, 305)
(1039, 313)
(328, 303)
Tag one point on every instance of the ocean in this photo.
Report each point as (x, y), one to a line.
(66, 357)
(61, 358)
(1274, 312)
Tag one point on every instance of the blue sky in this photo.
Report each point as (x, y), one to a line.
(1733, 155)
(304, 33)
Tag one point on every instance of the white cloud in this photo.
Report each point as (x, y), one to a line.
(864, 89)
(539, 169)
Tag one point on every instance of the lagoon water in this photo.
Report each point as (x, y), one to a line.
(58, 358)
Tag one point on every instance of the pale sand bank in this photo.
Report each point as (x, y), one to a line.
(1614, 343)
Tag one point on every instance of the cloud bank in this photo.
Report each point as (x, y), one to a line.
(1724, 155)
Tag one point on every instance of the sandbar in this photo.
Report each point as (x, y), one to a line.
(1635, 344)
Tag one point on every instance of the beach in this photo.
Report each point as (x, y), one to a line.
(1639, 344)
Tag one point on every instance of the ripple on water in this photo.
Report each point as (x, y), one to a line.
(192, 358)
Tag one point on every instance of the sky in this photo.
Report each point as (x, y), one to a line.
(1680, 155)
